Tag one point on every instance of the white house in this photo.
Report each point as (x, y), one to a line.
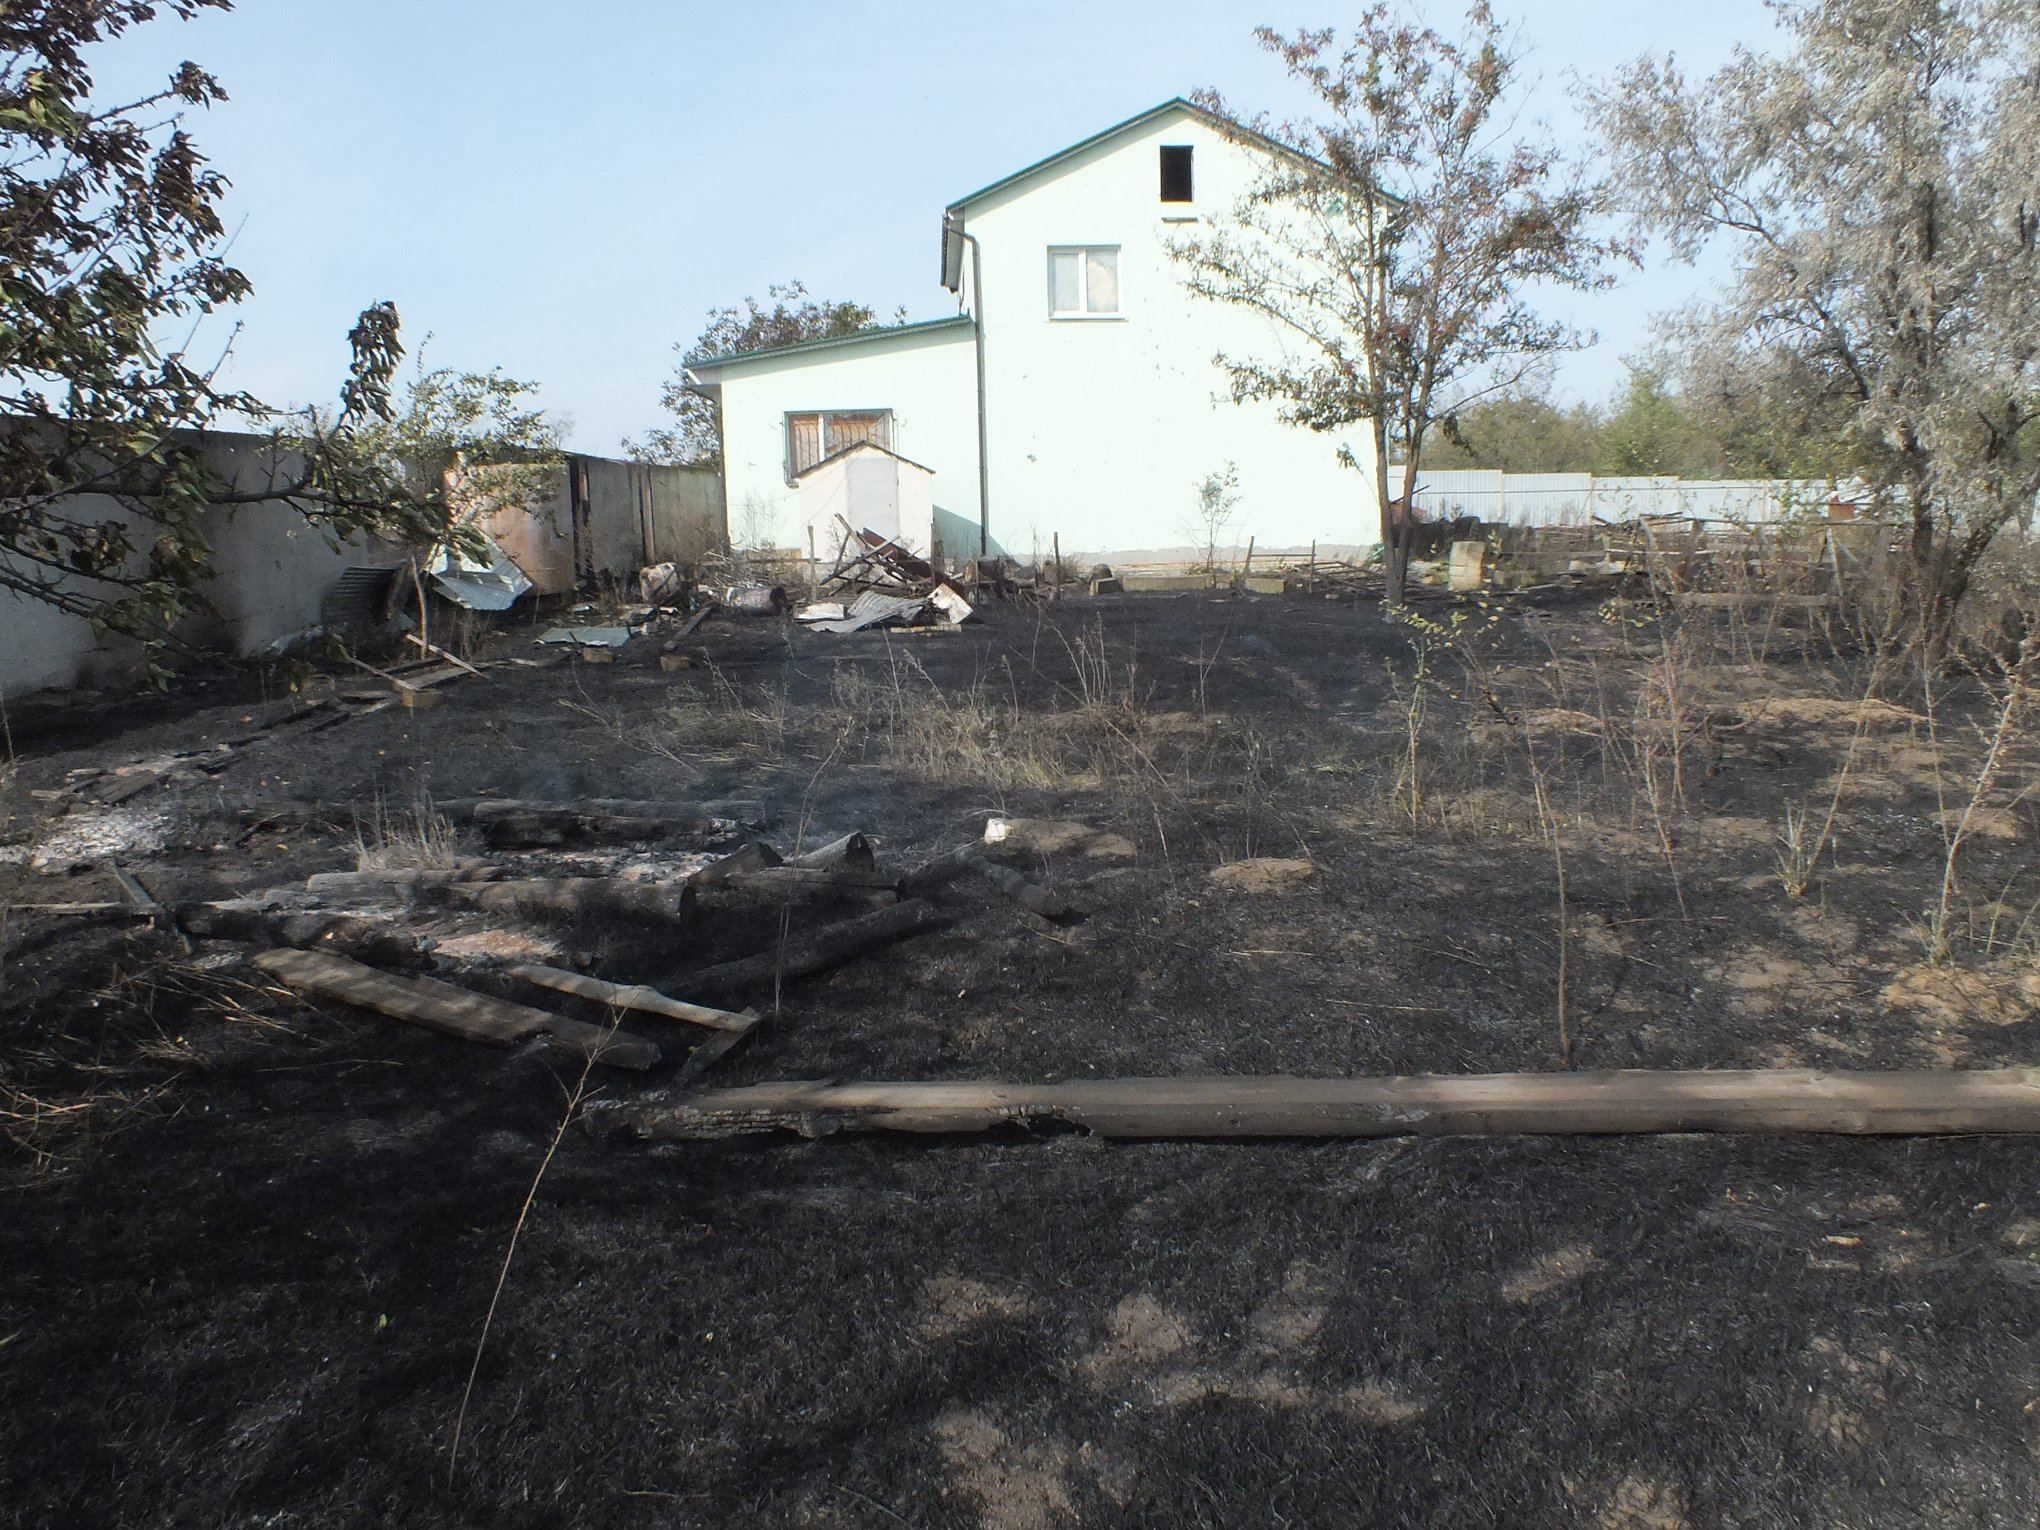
(1077, 391)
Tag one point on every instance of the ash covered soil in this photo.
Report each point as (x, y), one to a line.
(250, 1241)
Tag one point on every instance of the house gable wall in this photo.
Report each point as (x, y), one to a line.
(1102, 428)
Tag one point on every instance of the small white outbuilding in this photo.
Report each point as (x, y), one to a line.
(867, 487)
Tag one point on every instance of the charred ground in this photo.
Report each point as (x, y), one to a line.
(251, 1241)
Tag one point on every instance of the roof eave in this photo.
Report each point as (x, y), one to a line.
(830, 342)
(1229, 126)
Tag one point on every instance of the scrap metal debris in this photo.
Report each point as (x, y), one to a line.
(492, 586)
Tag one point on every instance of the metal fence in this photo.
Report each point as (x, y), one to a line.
(1578, 499)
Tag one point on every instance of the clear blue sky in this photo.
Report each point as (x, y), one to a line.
(563, 190)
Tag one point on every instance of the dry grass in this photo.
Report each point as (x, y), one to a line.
(988, 735)
(54, 1133)
(416, 837)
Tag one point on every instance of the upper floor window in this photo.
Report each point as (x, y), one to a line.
(822, 433)
(1176, 180)
(1083, 282)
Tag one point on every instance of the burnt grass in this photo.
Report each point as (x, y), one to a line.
(250, 1241)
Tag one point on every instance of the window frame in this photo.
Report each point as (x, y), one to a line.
(822, 418)
(1084, 315)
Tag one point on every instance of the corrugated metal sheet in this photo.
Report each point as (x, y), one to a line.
(1571, 499)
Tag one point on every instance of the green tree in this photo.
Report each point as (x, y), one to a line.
(788, 317)
(460, 441)
(111, 241)
(1650, 432)
(1518, 433)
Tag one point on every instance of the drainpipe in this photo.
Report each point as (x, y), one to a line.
(977, 289)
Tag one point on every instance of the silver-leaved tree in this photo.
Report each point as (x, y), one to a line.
(1879, 179)
(1402, 252)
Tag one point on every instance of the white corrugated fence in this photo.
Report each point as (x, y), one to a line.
(1576, 499)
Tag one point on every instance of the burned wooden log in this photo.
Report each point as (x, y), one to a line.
(579, 897)
(814, 950)
(1630, 1101)
(445, 1007)
(754, 856)
(789, 885)
(850, 853)
(940, 870)
(398, 884)
(517, 824)
(254, 919)
(1029, 895)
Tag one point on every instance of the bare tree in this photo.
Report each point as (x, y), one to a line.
(1397, 251)
(1880, 181)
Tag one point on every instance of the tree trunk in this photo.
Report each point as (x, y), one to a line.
(1395, 542)
(1395, 567)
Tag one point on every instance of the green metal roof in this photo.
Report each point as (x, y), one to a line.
(855, 337)
(1223, 124)
(952, 217)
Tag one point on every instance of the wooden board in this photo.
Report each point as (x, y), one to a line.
(631, 996)
(1763, 1101)
(444, 1007)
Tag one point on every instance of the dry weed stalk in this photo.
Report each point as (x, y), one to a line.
(1643, 761)
(1412, 706)
(1548, 819)
(2004, 730)
(1798, 857)
(574, 1101)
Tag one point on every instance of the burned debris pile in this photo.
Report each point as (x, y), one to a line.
(716, 925)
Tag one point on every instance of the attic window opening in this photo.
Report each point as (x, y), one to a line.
(823, 432)
(1177, 185)
(1083, 282)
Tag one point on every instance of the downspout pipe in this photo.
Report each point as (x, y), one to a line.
(977, 291)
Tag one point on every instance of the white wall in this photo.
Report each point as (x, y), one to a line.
(1102, 429)
(271, 570)
(928, 381)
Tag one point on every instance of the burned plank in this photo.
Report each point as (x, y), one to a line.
(145, 903)
(447, 1008)
(1916, 1103)
(754, 856)
(631, 996)
(815, 950)
(850, 853)
(712, 1051)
